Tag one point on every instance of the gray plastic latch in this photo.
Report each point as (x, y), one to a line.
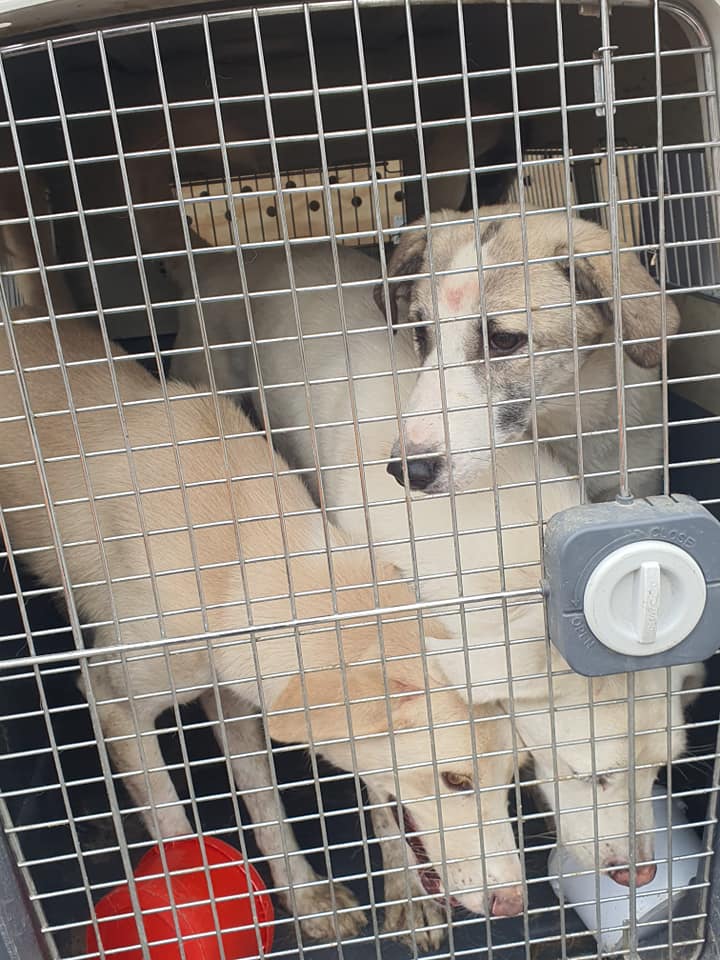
(633, 584)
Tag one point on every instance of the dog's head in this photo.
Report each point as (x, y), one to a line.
(598, 778)
(489, 386)
(445, 769)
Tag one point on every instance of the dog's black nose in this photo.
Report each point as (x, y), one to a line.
(394, 468)
(421, 472)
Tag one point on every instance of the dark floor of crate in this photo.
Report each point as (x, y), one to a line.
(90, 805)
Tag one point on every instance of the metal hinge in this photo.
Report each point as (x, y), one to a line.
(603, 86)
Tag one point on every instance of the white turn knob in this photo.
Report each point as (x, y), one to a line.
(645, 597)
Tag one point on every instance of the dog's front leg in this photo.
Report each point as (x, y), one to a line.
(326, 910)
(410, 914)
(136, 755)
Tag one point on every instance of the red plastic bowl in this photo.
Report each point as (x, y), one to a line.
(228, 891)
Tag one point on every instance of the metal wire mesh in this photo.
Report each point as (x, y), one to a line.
(305, 215)
(244, 199)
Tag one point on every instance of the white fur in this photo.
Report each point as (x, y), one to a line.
(176, 570)
(442, 531)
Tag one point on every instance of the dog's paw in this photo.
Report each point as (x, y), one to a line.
(419, 921)
(328, 911)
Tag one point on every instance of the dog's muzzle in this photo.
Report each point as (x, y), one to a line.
(422, 468)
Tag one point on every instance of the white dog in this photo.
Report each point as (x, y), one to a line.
(364, 382)
(458, 303)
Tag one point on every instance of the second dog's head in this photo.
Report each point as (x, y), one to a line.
(596, 765)
(444, 768)
(445, 308)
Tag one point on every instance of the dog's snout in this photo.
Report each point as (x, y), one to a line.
(507, 902)
(643, 875)
(421, 471)
(395, 469)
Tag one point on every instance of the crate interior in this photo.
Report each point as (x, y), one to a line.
(345, 122)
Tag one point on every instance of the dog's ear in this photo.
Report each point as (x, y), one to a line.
(319, 704)
(641, 316)
(408, 258)
(690, 680)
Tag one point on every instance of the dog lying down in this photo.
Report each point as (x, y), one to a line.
(173, 529)
(577, 730)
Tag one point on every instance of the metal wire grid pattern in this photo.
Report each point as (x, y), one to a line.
(37, 666)
(212, 222)
(689, 265)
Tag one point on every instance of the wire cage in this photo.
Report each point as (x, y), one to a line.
(310, 323)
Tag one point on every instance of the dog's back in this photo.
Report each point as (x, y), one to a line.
(328, 354)
(163, 523)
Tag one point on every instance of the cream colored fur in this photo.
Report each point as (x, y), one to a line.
(186, 554)
(454, 544)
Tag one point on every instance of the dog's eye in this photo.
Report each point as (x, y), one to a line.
(601, 780)
(457, 781)
(503, 341)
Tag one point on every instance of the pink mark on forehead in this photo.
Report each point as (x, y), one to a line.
(457, 294)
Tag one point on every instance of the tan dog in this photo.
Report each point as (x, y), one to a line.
(159, 544)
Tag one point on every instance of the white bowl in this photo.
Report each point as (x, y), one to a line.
(608, 920)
